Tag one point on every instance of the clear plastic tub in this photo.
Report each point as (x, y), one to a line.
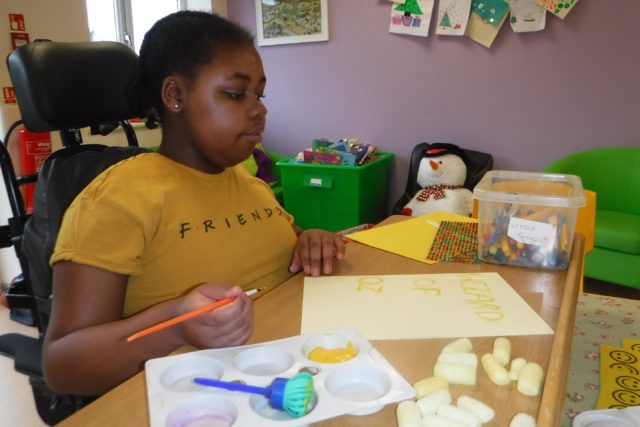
(527, 219)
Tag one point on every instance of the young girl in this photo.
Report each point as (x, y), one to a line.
(164, 233)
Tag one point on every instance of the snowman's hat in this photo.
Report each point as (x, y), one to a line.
(438, 149)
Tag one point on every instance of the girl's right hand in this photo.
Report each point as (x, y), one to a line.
(227, 326)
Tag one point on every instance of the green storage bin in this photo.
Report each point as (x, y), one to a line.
(336, 197)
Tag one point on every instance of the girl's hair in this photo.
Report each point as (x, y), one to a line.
(180, 43)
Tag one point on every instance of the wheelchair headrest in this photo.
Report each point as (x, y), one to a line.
(63, 85)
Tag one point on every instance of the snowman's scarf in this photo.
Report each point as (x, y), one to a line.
(437, 191)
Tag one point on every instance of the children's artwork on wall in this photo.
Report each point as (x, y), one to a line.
(559, 8)
(453, 16)
(526, 16)
(491, 11)
(417, 306)
(411, 17)
(480, 20)
(481, 31)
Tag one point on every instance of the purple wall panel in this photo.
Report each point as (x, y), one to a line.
(527, 100)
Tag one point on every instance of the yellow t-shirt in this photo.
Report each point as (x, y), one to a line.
(170, 227)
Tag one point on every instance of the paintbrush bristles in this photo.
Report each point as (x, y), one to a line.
(297, 395)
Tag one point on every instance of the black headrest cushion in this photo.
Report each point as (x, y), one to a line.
(62, 85)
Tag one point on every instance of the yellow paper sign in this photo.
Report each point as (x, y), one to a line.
(411, 238)
(619, 377)
(418, 306)
(631, 344)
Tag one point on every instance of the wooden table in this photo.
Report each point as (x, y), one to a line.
(552, 294)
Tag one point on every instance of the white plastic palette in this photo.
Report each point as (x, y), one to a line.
(360, 386)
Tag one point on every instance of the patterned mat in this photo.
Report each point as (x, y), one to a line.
(599, 320)
(456, 242)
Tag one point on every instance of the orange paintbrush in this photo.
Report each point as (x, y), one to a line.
(186, 316)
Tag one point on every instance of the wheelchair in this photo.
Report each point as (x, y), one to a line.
(60, 87)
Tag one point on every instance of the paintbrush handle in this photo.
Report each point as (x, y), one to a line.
(181, 318)
(265, 391)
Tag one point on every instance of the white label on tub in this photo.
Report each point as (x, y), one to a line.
(315, 181)
(531, 232)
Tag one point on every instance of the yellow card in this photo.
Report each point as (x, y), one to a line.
(619, 377)
(631, 344)
(416, 306)
(411, 238)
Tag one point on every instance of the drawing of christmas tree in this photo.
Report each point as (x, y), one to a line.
(445, 22)
(410, 7)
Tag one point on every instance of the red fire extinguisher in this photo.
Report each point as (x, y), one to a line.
(35, 147)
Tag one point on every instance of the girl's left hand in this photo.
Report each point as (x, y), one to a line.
(315, 252)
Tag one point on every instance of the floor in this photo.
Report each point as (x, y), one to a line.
(595, 286)
(16, 402)
(604, 328)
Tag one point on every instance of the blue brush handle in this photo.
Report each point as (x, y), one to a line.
(274, 392)
(265, 391)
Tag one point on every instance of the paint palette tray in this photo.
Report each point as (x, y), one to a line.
(361, 385)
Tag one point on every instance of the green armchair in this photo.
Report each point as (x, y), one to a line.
(614, 175)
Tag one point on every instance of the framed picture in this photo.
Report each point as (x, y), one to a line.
(291, 21)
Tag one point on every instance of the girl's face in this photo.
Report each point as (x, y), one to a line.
(222, 114)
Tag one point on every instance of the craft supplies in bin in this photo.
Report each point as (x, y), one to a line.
(349, 377)
(336, 197)
(527, 218)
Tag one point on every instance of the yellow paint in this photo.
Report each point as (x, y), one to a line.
(333, 355)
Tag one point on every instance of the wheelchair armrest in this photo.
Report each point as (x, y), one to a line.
(28, 302)
(5, 237)
(26, 352)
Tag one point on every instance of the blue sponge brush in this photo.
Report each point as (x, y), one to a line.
(288, 394)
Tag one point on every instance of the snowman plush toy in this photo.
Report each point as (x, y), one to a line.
(441, 176)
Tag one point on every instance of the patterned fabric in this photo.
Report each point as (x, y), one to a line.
(599, 320)
(456, 242)
(437, 191)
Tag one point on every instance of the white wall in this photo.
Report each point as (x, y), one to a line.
(62, 20)
(9, 266)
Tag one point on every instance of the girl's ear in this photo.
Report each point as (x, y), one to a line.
(172, 94)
